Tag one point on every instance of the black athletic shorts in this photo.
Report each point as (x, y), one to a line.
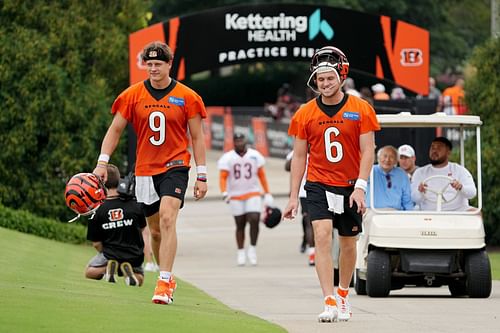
(172, 183)
(303, 206)
(347, 223)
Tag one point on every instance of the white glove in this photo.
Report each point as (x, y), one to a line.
(268, 200)
(225, 197)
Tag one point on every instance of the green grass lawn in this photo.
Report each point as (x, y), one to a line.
(42, 289)
(495, 264)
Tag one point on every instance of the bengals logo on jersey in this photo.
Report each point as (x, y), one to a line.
(115, 214)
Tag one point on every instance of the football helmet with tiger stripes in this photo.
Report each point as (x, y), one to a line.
(328, 58)
(85, 192)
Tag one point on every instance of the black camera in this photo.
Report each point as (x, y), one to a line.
(126, 186)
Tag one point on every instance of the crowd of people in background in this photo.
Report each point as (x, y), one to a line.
(450, 101)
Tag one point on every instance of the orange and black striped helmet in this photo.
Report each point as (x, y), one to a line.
(85, 192)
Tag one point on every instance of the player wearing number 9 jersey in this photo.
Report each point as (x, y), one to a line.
(162, 111)
(338, 131)
(160, 119)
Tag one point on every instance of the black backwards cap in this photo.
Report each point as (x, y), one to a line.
(444, 140)
(155, 53)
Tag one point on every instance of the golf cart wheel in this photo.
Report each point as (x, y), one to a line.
(478, 271)
(457, 288)
(359, 285)
(378, 274)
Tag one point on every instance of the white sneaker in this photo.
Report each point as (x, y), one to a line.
(128, 273)
(241, 258)
(343, 307)
(329, 315)
(150, 267)
(252, 255)
(111, 271)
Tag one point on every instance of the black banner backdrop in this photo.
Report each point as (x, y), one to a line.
(376, 45)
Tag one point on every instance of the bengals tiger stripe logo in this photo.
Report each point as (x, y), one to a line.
(84, 193)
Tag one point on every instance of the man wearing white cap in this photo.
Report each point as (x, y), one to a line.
(338, 131)
(407, 159)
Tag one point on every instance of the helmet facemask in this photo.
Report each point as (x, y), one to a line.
(327, 59)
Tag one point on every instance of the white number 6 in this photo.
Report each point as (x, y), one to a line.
(329, 145)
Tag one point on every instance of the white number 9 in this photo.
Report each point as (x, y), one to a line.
(157, 124)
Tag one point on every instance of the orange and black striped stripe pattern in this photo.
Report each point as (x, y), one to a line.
(84, 193)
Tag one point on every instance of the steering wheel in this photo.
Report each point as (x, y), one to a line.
(439, 192)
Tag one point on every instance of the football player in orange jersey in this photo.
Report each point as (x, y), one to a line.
(161, 110)
(339, 130)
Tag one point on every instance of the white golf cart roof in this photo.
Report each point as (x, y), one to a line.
(439, 119)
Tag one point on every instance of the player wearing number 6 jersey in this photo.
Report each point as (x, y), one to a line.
(161, 111)
(241, 171)
(339, 130)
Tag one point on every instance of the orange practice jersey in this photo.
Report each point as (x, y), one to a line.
(160, 120)
(453, 99)
(334, 150)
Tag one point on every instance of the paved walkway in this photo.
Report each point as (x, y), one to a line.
(283, 289)
(277, 177)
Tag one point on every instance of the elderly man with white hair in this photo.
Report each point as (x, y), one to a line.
(391, 191)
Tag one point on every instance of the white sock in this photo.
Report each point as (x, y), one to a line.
(164, 275)
(310, 250)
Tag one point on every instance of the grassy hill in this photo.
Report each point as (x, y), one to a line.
(42, 289)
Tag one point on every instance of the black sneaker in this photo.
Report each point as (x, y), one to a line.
(128, 273)
(111, 271)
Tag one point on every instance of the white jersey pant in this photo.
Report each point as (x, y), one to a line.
(250, 205)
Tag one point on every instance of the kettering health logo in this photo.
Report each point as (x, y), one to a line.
(316, 24)
(279, 28)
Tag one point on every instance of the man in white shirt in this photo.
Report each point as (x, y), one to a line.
(457, 189)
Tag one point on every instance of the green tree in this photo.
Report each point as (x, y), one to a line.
(62, 64)
(483, 99)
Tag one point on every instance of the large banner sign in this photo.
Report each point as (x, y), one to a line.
(377, 45)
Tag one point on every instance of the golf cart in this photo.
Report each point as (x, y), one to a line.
(427, 248)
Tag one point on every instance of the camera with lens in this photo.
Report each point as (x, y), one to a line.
(126, 186)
